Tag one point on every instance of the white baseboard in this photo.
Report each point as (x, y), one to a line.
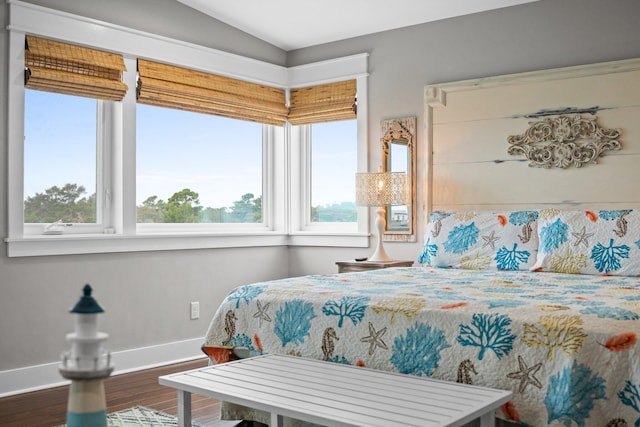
(32, 378)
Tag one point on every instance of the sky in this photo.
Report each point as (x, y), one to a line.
(218, 158)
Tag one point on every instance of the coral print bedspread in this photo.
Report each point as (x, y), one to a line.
(566, 344)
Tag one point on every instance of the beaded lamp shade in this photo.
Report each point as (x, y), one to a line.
(381, 189)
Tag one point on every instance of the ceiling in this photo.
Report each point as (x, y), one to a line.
(294, 24)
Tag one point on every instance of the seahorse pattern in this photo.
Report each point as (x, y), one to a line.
(436, 228)
(617, 422)
(327, 343)
(230, 325)
(621, 223)
(526, 230)
(463, 372)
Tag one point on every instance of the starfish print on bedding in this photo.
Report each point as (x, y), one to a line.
(582, 237)
(261, 314)
(490, 240)
(525, 375)
(375, 339)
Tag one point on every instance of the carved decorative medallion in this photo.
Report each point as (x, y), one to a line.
(564, 141)
(398, 131)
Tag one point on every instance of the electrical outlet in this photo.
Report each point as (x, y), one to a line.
(195, 310)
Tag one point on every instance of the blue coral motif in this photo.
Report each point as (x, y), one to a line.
(351, 307)
(428, 251)
(446, 295)
(630, 396)
(611, 215)
(340, 359)
(506, 290)
(584, 303)
(241, 340)
(461, 238)
(607, 258)
(583, 288)
(637, 243)
(488, 331)
(617, 313)
(553, 235)
(504, 303)
(571, 394)
(293, 321)
(418, 352)
(246, 294)
(522, 217)
(511, 259)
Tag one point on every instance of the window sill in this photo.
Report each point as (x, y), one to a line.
(71, 244)
(328, 239)
(109, 243)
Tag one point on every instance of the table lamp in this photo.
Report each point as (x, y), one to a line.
(381, 189)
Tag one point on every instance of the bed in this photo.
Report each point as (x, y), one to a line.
(531, 286)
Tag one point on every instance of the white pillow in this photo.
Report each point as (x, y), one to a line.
(605, 242)
(481, 240)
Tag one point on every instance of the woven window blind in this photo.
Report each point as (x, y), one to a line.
(175, 87)
(73, 70)
(323, 103)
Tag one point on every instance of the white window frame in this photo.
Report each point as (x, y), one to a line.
(303, 232)
(104, 213)
(118, 231)
(269, 134)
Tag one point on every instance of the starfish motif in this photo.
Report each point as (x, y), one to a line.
(261, 314)
(582, 237)
(525, 375)
(375, 339)
(490, 240)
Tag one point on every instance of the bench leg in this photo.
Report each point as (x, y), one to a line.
(184, 408)
(488, 419)
(277, 420)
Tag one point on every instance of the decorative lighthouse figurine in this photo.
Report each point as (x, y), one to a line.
(87, 364)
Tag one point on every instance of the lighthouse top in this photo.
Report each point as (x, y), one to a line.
(87, 304)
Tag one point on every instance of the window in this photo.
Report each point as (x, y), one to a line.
(334, 163)
(203, 133)
(63, 83)
(60, 151)
(245, 171)
(325, 142)
(197, 168)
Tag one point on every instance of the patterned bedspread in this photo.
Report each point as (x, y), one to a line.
(565, 344)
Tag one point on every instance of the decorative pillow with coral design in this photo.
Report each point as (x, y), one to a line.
(589, 242)
(481, 240)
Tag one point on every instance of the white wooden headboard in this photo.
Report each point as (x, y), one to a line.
(467, 125)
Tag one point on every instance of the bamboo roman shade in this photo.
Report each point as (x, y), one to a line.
(323, 103)
(73, 70)
(175, 87)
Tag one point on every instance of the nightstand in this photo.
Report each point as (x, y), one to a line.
(349, 266)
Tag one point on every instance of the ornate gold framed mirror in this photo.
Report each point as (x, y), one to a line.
(398, 138)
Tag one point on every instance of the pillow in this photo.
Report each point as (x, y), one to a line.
(603, 242)
(481, 240)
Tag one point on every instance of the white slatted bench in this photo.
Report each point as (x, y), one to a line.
(333, 394)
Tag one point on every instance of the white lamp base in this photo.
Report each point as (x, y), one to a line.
(380, 254)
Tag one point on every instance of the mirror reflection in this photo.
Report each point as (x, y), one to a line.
(398, 216)
(398, 145)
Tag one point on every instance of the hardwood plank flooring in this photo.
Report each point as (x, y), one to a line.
(47, 408)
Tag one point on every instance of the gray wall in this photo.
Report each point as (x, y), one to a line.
(147, 294)
(533, 36)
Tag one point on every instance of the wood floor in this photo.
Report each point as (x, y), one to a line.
(47, 408)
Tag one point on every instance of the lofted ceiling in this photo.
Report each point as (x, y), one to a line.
(294, 24)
